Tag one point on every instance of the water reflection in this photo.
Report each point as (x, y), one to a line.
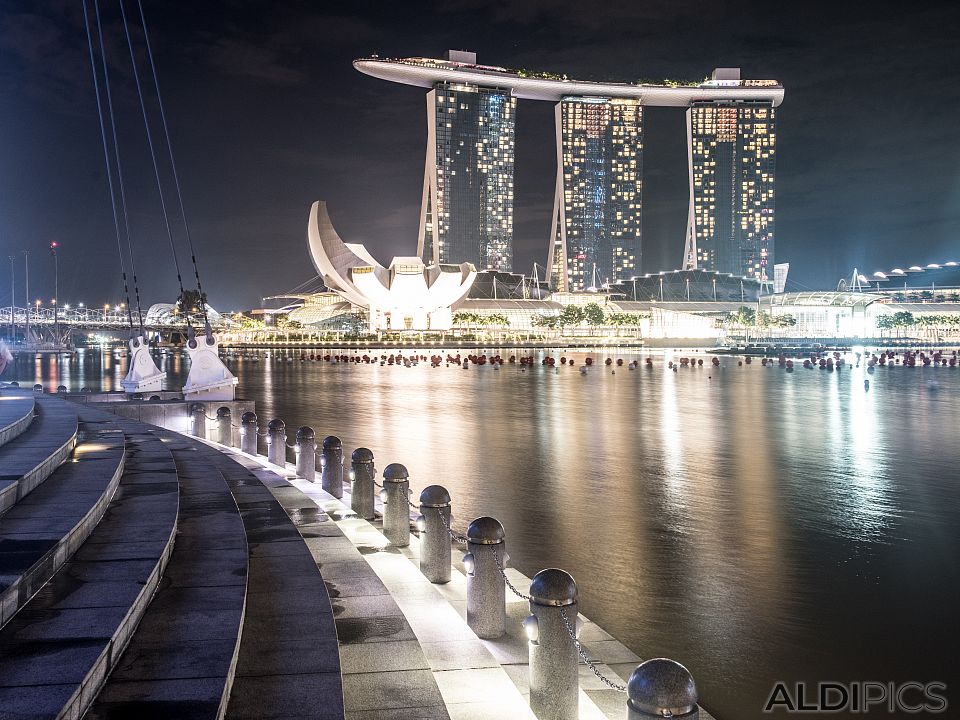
(754, 524)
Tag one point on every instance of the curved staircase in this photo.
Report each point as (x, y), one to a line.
(144, 574)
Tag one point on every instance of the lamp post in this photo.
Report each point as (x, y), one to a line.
(26, 281)
(56, 293)
(13, 297)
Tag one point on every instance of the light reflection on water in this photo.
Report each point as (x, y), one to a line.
(753, 524)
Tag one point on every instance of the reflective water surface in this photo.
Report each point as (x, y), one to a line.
(753, 524)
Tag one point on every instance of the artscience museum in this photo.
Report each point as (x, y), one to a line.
(407, 295)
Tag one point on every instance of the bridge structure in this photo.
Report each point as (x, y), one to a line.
(45, 323)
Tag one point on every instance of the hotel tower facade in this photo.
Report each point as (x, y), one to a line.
(595, 233)
(596, 210)
(732, 165)
(467, 209)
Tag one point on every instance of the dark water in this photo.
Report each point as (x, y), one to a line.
(753, 524)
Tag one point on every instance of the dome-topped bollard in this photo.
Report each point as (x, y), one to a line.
(224, 426)
(198, 420)
(660, 688)
(434, 538)
(277, 442)
(248, 433)
(362, 472)
(396, 513)
(306, 453)
(331, 466)
(486, 591)
(554, 682)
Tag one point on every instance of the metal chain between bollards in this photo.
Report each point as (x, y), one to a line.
(496, 557)
(262, 434)
(586, 659)
(462, 539)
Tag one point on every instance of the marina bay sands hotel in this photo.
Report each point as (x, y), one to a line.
(467, 211)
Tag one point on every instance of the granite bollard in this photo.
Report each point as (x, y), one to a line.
(277, 442)
(306, 453)
(434, 538)
(486, 591)
(396, 513)
(362, 493)
(553, 669)
(331, 466)
(224, 426)
(248, 433)
(660, 688)
(198, 420)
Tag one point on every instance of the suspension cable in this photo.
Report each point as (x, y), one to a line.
(106, 157)
(116, 155)
(173, 164)
(153, 156)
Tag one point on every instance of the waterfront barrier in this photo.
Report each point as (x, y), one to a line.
(331, 466)
(248, 433)
(553, 657)
(277, 442)
(435, 547)
(657, 688)
(362, 472)
(486, 592)
(306, 450)
(224, 426)
(198, 421)
(396, 516)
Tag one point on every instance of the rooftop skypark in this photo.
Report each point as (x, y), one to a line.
(536, 85)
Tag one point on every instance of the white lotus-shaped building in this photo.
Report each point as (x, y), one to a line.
(407, 295)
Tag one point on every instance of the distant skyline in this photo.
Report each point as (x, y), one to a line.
(267, 114)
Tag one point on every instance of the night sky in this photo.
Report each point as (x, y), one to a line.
(267, 115)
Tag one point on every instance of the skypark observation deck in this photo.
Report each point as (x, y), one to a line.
(426, 72)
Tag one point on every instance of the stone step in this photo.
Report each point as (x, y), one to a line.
(57, 650)
(289, 662)
(42, 531)
(27, 460)
(16, 413)
(180, 662)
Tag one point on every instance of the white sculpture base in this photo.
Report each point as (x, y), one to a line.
(144, 375)
(209, 378)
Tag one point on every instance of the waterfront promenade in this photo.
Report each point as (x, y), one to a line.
(157, 574)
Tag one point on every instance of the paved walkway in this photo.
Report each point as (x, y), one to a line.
(385, 598)
(406, 651)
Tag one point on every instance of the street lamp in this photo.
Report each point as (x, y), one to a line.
(56, 293)
(13, 287)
